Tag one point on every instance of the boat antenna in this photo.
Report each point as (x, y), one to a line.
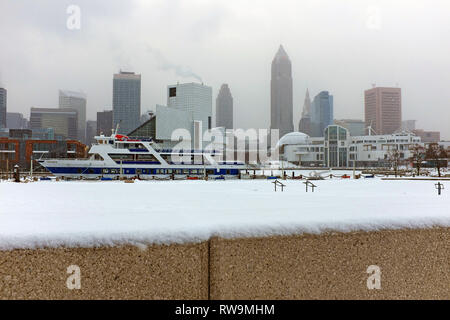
(117, 127)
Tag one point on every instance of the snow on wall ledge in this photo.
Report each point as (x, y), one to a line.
(91, 214)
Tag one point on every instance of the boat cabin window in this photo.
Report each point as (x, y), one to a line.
(185, 159)
(122, 157)
(146, 157)
(132, 146)
(98, 157)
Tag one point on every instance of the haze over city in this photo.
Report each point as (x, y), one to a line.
(340, 46)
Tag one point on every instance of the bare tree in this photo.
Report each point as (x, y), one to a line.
(438, 155)
(417, 156)
(394, 158)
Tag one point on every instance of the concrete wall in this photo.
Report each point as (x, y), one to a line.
(158, 272)
(415, 264)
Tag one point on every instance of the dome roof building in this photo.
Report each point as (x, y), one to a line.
(294, 138)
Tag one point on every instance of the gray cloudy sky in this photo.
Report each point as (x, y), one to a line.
(342, 46)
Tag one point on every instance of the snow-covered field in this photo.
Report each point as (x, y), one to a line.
(49, 213)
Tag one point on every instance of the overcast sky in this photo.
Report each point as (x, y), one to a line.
(343, 46)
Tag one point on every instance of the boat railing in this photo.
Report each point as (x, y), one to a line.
(187, 151)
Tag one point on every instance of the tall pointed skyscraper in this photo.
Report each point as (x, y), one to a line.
(224, 108)
(281, 93)
(305, 122)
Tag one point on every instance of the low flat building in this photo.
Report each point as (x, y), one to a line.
(301, 149)
(22, 146)
(428, 136)
(338, 149)
(375, 150)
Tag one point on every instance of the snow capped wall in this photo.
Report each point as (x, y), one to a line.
(89, 214)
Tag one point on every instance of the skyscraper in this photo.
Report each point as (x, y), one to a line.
(63, 121)
(15, 120)
(409, 125)
(321, 113)
(105, 122)
(355, 127)
(75, 100)
(195, 98)
(281, 93)
(126, 101)
(305, 121)
(91, 131)
(383, 109)
(3, 107)
(224, 108)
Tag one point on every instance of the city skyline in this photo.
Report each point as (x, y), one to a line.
(377, 57)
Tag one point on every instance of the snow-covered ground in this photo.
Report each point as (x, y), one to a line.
(49, 213)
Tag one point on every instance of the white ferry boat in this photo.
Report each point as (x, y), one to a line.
(120, 156)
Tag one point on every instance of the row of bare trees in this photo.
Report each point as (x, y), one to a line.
(434, 153)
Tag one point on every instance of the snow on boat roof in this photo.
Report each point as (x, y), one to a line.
(89, 214)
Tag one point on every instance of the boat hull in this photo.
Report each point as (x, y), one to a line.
(68, 169)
